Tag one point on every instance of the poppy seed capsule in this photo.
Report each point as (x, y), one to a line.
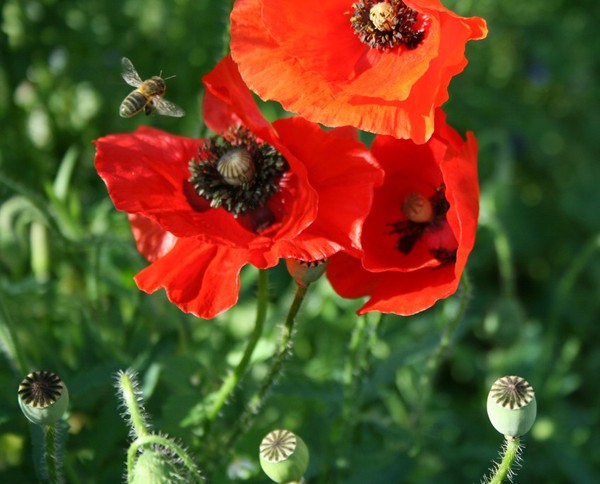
(283, 456)
(43, 397)
(511, 406)
(382, 16)
(236, 167)
(417, 208)
(304, 272)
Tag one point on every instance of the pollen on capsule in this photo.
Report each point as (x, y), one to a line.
(236, 167)
(382, 15)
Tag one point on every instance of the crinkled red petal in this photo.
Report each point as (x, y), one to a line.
(343, 173)
(146, 172)
(202, 279)
(404, 293)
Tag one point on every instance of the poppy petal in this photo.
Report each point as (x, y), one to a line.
(150, 238)
(202, 279)
(405, 279)
(306, 56)
(340, 169)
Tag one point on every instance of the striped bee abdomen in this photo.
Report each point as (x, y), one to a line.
(132, 104)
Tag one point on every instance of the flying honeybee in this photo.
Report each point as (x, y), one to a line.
(147, 95)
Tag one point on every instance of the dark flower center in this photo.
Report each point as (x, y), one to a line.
(385, 25)
(237, 172)
(423, 215)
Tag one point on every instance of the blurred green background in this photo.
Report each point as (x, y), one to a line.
(67, 258)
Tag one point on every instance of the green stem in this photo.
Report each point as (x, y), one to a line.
(362, 340)
(258, 399)
(504, 254)
(130, 393)
(445, 340)
(48, 445)
(48, 451)
(9, 343)
(433, 362)
(234, 376)
(565, 287)
(511, 451)
(151, 440)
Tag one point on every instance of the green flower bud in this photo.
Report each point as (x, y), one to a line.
(511, 406)
(154, 467)
(305, 272)
(43, 397)
(283, 456)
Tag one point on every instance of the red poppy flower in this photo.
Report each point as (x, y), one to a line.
(421, 227)
(201, 209)
(382, 67)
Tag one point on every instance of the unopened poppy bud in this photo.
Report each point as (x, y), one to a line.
(511, 406)
(283, 456)
(43, 397)
(417, 208)
(382, 16)
(153, 466)
(305, 272)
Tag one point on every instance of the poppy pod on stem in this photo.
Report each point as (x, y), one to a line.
(421, 228)
(201, 209)
(382, 67)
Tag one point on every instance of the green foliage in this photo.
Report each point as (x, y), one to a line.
(68, 302)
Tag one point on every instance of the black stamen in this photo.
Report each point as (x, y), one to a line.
(251, 193)
(410, 232)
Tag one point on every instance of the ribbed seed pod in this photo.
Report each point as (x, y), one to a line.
(511, 406)
(283, 456)
(236, 167)
(43, 397)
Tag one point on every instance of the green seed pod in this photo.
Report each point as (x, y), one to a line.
(511, 406)
(43, 397)
(283, 456)
(305, 272)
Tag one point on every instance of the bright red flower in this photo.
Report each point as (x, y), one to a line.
(202, 209)
(421, 228)
(309, 56)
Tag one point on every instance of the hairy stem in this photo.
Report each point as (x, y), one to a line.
(48, 451)
(363, 338)
(233, 377)
(285, 344)
(129, 393)
(511, 456)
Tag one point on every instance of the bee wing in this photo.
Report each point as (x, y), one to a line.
(167, 108)
(129, 73)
